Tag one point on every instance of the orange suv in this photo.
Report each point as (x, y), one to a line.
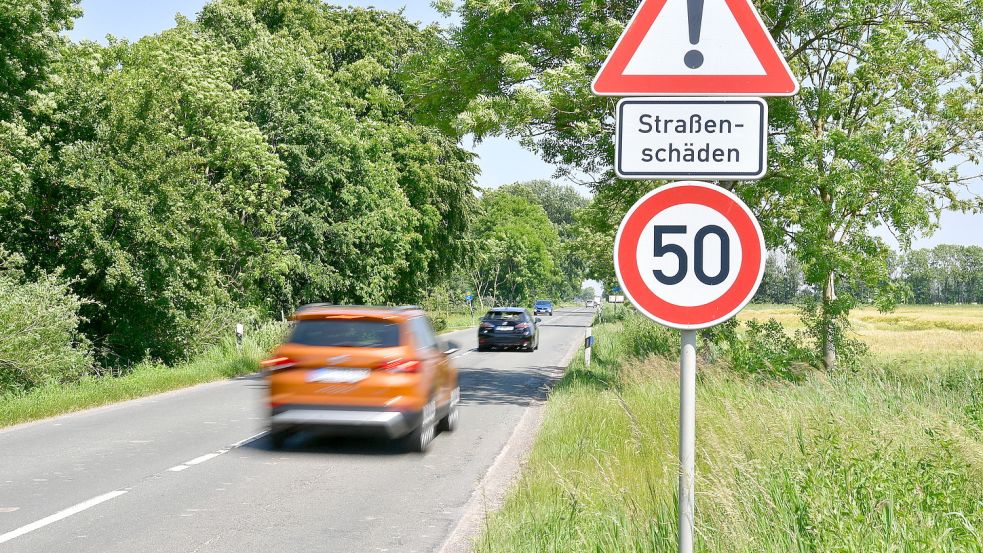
(362, 370)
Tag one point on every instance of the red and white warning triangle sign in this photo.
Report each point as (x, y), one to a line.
(695, 47)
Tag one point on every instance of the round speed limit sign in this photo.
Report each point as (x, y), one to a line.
(689, 255)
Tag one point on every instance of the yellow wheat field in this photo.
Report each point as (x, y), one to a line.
(925, 329)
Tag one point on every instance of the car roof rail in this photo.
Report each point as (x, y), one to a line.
(408, 307)
(314, 306)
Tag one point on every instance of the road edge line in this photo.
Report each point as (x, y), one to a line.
(490, 492)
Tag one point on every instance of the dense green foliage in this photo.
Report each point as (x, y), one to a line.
(39, 339)
(235, 166)
(377, 203)
(515, 244)
(29, 43)
(521, 247)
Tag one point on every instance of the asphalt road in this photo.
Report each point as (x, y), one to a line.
(190, 471)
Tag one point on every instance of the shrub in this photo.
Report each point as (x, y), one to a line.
(642, 338)
(850, 352)
(439, 323)
(767, 350)
(39, 338)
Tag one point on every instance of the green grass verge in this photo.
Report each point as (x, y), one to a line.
(460, 321)
(889, 459)
(221, 361)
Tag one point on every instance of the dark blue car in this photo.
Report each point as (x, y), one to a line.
(508, 327)
(543, 306)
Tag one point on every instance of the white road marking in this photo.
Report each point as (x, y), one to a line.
(245, 441)
(206, 457)
(209, 456)
(73, 510)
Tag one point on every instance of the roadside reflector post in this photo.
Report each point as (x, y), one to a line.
(240, 330)
(687, 439)
(588, 344)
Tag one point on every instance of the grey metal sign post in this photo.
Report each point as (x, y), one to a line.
(687, 439)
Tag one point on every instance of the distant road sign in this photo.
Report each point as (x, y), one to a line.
(687, 47)
(710, 138)
(689, 255)
(468, 297)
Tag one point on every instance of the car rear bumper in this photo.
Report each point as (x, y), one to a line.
(392, 424)
(504, 340)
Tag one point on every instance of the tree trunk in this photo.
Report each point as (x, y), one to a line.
(829, 334)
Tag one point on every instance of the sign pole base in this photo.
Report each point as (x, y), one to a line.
(687, 439)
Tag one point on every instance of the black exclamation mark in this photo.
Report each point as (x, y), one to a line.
(693, 58)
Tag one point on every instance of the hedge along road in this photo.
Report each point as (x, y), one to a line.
(191, 470)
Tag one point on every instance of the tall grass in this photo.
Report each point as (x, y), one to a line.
(887, 459)
(224, 360)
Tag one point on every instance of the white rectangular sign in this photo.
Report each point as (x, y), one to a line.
(691, 138)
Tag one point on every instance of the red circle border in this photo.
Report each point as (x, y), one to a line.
(699, 316)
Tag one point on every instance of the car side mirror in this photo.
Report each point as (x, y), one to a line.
(451, 347)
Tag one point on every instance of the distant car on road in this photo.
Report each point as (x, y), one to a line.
(363, 370)
(543, 306)
(508, 327)
(591, 304)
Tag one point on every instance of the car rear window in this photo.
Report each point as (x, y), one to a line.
(542, 303)
(345, 333)
(505, 315)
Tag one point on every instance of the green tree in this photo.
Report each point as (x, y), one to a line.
(175, 202)
(514, 246)
(30, 42)
(378, 204)
(944, 274)
(560, 202)
(782, 279)
(890, 92)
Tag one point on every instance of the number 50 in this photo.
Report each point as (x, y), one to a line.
(698, 244)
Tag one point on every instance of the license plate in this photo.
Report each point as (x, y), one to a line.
(504, 328)
(345, 376)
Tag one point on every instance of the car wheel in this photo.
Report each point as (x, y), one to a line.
(418, 441)
(278, 437)
(482, 348)
(450, 420)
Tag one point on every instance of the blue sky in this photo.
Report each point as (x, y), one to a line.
(502, 161)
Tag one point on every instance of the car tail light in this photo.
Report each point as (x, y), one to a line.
(277, 364)
(487, 325)
(400, 366)
(522, 326)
